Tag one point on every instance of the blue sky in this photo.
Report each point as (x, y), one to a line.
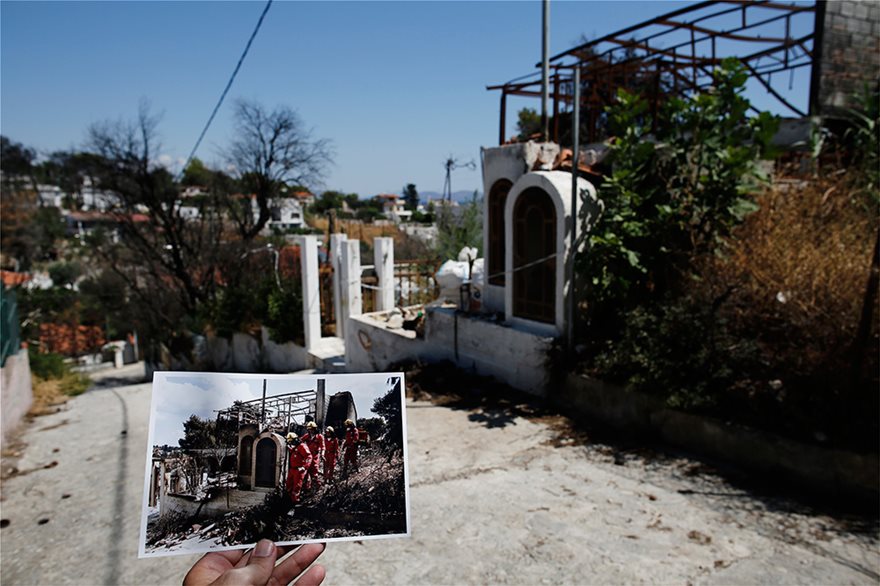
(397, 86)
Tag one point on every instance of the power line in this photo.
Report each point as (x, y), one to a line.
(225, 90)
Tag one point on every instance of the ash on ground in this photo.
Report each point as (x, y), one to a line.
(369, 501)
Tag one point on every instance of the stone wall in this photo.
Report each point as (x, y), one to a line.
(850, 52)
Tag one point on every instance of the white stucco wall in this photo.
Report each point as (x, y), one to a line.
(16, 394)
(508, 162)
(557, 184)
(515, 357)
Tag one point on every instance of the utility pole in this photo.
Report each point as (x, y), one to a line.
(450, 165)
(575, 157)
(545, 70)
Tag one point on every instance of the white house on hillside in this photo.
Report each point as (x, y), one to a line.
(393, 207)
(286, 213)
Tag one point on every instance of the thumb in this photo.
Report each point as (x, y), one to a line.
(261, 564)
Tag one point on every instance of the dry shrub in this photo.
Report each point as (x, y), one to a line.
(48, 396)
(794, 278)
(405, 246)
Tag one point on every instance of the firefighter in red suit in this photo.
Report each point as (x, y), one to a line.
(315, 441)
(299, 460)
(331, 453)
(349, 444)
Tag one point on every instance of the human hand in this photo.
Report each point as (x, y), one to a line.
(257, 567)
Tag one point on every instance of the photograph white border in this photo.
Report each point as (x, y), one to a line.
(159, 377)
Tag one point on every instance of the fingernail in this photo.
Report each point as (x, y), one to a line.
(264, 549)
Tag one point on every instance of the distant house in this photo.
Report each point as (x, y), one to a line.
(194, 191)
(304, 198)
(393, 207)
(285, 212)
(79, 224)
(189, 213)
(50, 195)
(97, 199)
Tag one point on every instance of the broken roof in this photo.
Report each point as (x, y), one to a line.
(675, 53)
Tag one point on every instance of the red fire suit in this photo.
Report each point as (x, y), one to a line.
(316, 447)
(351, 449)
(330, 456)
(299, 459)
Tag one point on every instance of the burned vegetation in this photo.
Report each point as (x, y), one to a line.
(363, 494)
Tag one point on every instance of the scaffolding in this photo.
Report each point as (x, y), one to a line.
(674, 55)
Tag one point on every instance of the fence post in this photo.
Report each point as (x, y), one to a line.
(383, 255)
(352, 300)
(311, 294)
(336, 241)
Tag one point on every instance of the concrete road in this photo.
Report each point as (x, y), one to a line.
(495, 498)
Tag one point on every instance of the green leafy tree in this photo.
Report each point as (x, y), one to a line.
(196, 173)
(328, 200)
(411, 196)
(65, 273)
(528, 123)
(388, 407)
(673, 194)
(375, 426)
(459, 228)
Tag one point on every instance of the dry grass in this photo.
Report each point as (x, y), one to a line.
(405, 247)
(358, 229)
(794, 280)
(798, 269)
(50, 394)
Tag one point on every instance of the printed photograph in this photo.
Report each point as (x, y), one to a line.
(235, 458)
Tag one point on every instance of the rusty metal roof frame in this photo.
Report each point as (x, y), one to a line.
(286, 407)
(643, 62)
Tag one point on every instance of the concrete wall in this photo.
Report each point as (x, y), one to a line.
(244, 353)
(844, 474)
(16, 394)
(515, 357)
(238, 499)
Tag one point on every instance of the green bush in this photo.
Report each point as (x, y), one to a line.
(679, 184)
(682, 350)
(47, 365)
(51, 366)
(284, 316)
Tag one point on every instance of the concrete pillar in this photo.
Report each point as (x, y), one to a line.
(383, 255)
(336, 241)
(311, 293)
(352, 301)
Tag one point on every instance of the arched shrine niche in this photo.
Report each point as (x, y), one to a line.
(538, 249)
(245, 451)
(497, 199)
(266, 463)
(534, 256)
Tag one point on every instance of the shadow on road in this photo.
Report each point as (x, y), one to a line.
(117, 533)
(759, 500)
